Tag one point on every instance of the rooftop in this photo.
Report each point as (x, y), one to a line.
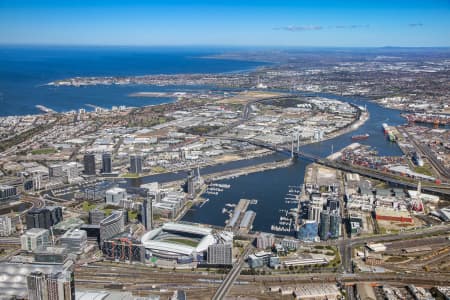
(35, 231)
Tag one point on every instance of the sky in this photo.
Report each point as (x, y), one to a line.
(344, 23)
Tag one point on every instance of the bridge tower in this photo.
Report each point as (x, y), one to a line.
(417, 204)
(292, 148)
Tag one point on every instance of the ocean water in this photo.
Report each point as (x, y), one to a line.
(24, 71)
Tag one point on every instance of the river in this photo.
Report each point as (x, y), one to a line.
(270, 187)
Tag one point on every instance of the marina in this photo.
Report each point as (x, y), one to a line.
(240, 219)
(288, 217)
(283, 181)
(204, 202)
(216, 188)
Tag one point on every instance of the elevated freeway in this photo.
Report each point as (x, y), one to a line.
(442, 190)
(231, 277)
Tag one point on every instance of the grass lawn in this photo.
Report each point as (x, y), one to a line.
(130, 175)
(396, 259)
(87, 206)
(182, 242)
(43, 151)
(158, 170)
(423, 170)
(132, 215)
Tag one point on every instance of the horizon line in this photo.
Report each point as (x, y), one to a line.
(204, 45)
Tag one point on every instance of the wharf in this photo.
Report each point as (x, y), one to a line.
(238, 213)
(303, 198)
(45, 109)
(247, 170)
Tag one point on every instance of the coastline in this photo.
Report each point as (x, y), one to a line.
(23, 93)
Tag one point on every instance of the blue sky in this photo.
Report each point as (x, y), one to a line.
(266, 23)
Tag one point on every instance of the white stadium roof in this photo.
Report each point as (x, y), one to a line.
(187, 228)
(149, 240)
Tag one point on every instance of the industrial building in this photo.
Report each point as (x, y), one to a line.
(388, 214)
(443, 214)
(305, 261)
(378, 247)
(365, 291)
(317, 291)
(247, 220)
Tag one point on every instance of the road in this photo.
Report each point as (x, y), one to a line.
(35, 201)
(227, 283)
(426, 151)
(399, 236)
(201, 285)
(371, 173)
(346, 245)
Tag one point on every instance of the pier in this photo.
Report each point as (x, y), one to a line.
(45, 109)
(239, 214)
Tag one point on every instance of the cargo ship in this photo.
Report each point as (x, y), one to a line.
(360, 137)
(391, 137)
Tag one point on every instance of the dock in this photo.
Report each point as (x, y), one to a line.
(239, 214)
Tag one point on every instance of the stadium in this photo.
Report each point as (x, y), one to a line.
(181, 242)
